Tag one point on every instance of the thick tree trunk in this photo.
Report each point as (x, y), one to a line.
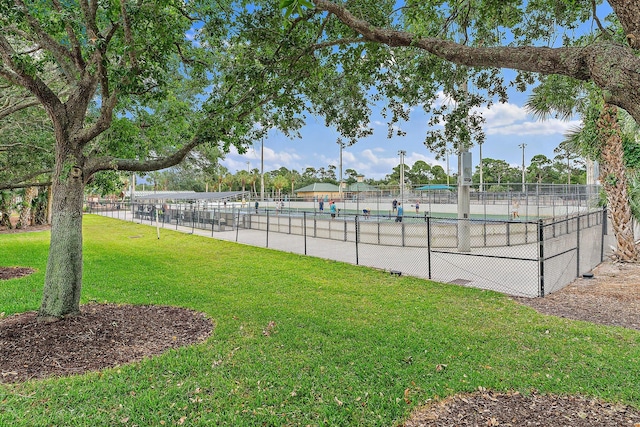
(49, 204)
(5, 209)
(614, 180)
(63, 279)
(24, 220)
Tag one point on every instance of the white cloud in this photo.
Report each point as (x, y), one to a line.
(272, 159)
(511, 119)
(548, 127)
(502, 114)
(555, 127)
(376, 163)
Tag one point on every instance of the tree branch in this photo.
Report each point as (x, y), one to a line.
(20, 182)
(63, 57)
(128, 34)
(17, 75)
(595, 18)
(112, 163)
(7, 111)
(6, 147)
(628, 13)
(24, 185)
(566, 61)
(75, 45)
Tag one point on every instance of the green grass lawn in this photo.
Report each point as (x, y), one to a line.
(350, 342)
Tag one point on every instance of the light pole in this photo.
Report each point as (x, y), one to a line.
(464, 186)
(568, 169)
(262, 170)
(481, 176)
(447, 151)
(522, 146)
(341, 144)
(402, 154)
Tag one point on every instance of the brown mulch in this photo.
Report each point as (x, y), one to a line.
(7, 273)
(611, 297)
(107, 335)
(485, 408)
(4, 230)
(102, 336)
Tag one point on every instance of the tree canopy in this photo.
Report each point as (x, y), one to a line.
(136, 86)
(438, 47)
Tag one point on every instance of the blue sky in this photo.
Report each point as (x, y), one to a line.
(507, 126)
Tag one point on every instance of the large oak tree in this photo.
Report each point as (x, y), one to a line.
(145, 82)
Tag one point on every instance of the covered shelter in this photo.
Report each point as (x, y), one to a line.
(192, 197)
(435, 187)
(204, 207)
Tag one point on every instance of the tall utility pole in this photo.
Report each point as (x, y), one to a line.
(341, 144)
(522, 146)
(447, 152)
(464, 190)
(481, 176)
(132, 194)
(262, 170)
(402, 153)
(568, 169)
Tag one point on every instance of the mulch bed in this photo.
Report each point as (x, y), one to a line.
(103, 335)
(4, 230)
(7, 273)
(611, 297)
(485, 408)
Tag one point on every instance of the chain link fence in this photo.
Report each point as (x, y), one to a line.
(520, 258)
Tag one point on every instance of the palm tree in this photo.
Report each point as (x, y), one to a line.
(28, 195)
(613, 177)
(599, 138)
(5, 209)
(243, 177)
(253, 178)
(279, 182)
(228, 180)
(293, 176)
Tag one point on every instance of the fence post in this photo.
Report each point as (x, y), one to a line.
(238, 225)
(267, 229)
(429, 245)
(345, 231)
(304, 230)
(357, 237)
(604, 231)
(541, 257)
(484, 230)
(402, 232)
(578, 246)
(508, 230)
